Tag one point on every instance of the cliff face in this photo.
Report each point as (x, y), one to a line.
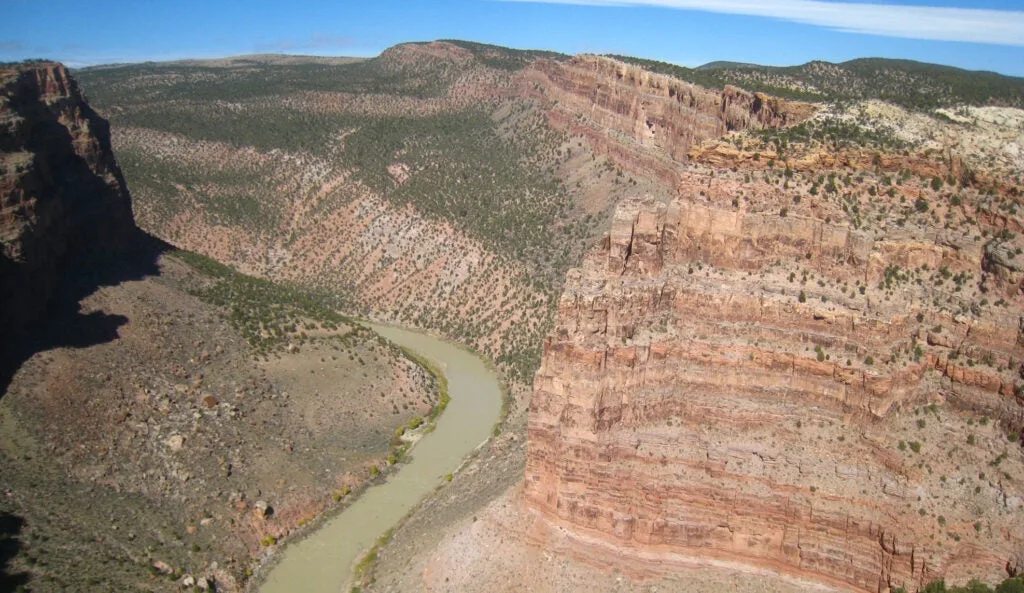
(61, 192)
(698, 400)
(648, 120)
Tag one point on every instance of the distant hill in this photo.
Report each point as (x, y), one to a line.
(726, 64)
(914, 85)
(246, 60)
(505, 58)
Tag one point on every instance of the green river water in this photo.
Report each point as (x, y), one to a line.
(323, 561)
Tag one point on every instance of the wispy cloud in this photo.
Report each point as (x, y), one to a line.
(999, 27)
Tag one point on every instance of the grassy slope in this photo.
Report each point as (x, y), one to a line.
(101, 499)
(904, 82)
(490, 175)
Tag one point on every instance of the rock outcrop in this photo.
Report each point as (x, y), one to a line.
(697, 401)
(649, 122)
(61, 192)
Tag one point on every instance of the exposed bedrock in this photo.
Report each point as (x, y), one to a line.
(691, 403)
(61, 191)
(648, 121)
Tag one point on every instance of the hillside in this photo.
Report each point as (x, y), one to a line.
(910, 84)
(162, 417)
(800, 360)
(743, 331)
(443, 185)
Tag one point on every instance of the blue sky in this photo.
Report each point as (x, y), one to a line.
(974, 34)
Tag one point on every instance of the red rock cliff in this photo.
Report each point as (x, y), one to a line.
(61, 192)
(649, 122)
(692, 405)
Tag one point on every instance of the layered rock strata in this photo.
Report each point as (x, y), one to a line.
(61, 191)
(696, 402)
(648, 122)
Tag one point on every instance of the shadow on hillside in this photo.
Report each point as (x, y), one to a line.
(10, 544)
(63, 325)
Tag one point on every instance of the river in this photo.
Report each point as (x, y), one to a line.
(323, 561)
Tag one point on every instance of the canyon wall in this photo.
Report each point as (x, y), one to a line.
(647, 121)
(692, 404)
(61, 192)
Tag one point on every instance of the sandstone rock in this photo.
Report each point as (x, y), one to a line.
(61, 192)
(175, 442)
(741, 473)
(653, 110)
(262, 509)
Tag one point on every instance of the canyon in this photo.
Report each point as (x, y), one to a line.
(799, 367)
(417, 203)
(163, 419)
(748, 341)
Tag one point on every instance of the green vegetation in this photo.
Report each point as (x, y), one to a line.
(505, 58)
(914, 85)
(713, 79)
(470, 173)
(442, 383)
(487, 169)
(491, 178)
(267, 314)
(1009, 585)
(187, 82)
(835, 134)
(363, 573)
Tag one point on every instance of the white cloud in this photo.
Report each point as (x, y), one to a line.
(998, 27)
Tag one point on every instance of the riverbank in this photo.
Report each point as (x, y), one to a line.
(323, 560)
